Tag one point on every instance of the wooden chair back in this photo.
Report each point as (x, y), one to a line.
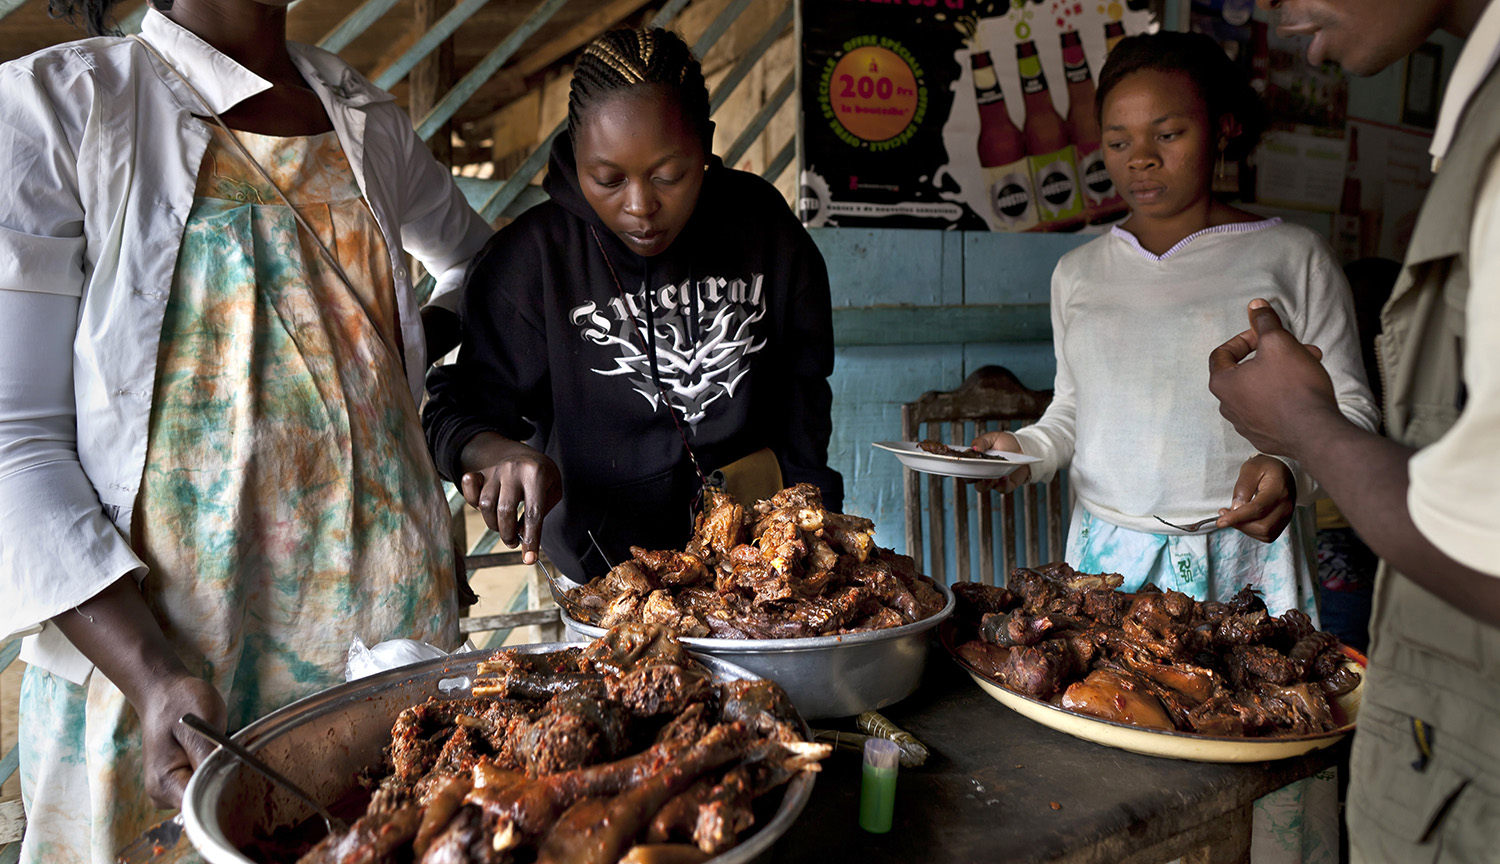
(991, 398)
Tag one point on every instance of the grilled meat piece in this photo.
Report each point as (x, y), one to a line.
(1119, 696)
(788, 569)
(974, 600)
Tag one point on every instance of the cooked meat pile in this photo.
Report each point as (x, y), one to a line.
(938, 448)
(786, 568)
(1154, 658)
(624, 750)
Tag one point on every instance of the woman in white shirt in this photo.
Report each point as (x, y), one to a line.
(212, 473)
(1133, 315)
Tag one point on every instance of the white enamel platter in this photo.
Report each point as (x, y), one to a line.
(1171, 745)
(967, 468)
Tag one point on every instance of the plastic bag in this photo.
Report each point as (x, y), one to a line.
(364, 662)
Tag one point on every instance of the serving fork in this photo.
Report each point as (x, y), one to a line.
(1190, 527)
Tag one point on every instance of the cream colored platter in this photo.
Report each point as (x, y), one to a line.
(1170, 745)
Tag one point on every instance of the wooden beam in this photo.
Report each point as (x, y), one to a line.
(752, 56)
(353, 26)
(389, 73)
(762, 117)
(486, 68)
(431, 76)
(511, 85)
(941, 325)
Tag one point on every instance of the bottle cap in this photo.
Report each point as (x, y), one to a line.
(881, 754)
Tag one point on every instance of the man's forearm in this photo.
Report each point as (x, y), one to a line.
(1366, 475)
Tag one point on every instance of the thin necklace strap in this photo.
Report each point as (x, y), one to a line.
(323, 247)
(661, 392)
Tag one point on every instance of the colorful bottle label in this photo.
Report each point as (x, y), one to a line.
(1032, 80)
(1077, 70)
(1056, 179)
(1011, 196)
(1097, 185)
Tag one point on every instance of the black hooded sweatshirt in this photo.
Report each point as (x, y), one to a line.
(737, 313)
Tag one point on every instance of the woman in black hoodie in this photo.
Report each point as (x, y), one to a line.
(661, 317)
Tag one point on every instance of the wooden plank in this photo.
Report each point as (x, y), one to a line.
(719, 26)
(479, 561)
(355, 24)
(761, 117)
(1013, 268)
(936, 535)
(960, 512)
(9, 763)
(486, 68)
(1055, 547)
(12, 821)
(432, 76)
(941, 325)
(781, 160)
(432, 37)
(750, 58)
(1030, 526)
(509, 620)
(986, 525)
(1008, 534)
(511, 84)
(890, 266)
(912, 493)
(511, 189)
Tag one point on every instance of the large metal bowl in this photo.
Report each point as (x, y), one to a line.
(826, 676)
(323, 741)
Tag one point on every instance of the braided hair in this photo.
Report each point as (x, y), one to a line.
(620, 60)
(1221, 83)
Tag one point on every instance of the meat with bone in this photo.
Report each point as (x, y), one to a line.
(1156, 658)
(578, 761)
(786, 568)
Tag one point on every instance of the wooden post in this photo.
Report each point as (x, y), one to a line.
(432, 76)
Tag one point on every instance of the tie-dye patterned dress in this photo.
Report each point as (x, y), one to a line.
(288, 503)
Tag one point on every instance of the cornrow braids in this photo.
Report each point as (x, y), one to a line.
(648, 57)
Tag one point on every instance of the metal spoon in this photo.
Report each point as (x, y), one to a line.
(1189, 528)
(195, 723)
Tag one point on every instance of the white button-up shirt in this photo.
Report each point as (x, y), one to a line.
(100, 150)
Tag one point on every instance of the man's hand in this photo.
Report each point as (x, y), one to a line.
(503, 474)
(1007, 442)
(1270, 397)
(1265, 497)
(172, 750)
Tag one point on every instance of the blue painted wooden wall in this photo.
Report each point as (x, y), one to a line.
(999, 278)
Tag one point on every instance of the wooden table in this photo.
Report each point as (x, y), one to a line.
(987, 793)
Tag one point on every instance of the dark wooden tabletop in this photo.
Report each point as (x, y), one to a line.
(986, 793)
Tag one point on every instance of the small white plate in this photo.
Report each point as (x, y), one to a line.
(967, 468)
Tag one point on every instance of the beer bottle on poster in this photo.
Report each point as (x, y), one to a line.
(1348, 228)
(1114, 31)
(1101, 202)
(1049, 151)
(1002, 151)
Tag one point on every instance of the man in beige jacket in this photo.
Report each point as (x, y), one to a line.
(1425, 777)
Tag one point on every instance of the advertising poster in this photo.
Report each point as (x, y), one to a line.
(958, 114)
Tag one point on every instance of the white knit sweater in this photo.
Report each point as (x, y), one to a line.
(1132, 417)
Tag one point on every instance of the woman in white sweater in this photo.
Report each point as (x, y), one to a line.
(1133, 315)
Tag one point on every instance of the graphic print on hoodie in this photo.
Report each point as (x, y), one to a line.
(697, 345)
(737, 329)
